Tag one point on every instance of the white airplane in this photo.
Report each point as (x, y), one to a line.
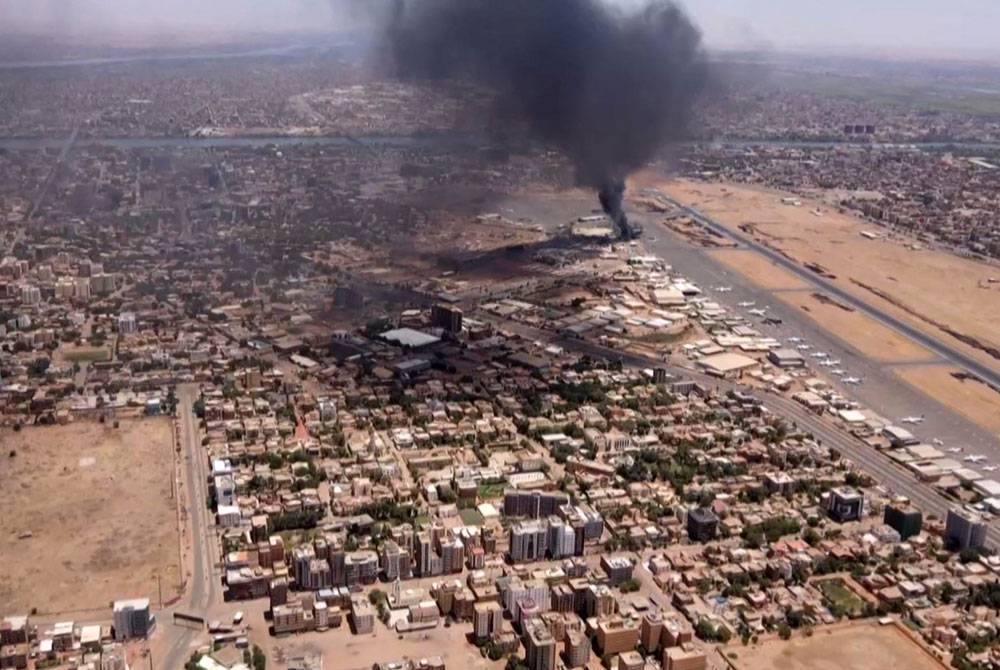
(956, 450)
(937, 442)
(794, 339)
(913, 419)
(756, 312)
(852, 380)
(803, 347)
(750, 303)
(840, 371)
(834, 361)
(989, 468)
(820, 354)
(975, 458)
(723, 289)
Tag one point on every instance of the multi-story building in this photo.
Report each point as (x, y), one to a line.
(132, 618)
(650, 630)
(528, 541)
(514, 591)
(905, 519)
(361, 567)
(292, 618)
(684, 658)
(562, 538)
(702, 524)
(845, 504)
(448, 317)
(395, 561)
(616, 634)
(532, 504)
(599, 601)
(487, 620)
(631, 660)
(540, 646)
(964, 529)
(362, 615)
(577, 651)
(619, 569)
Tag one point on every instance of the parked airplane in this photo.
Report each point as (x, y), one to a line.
(803, 347)
(913, 419)
(750, 303)
(989, 468)
(852, 380)
(820, 354)
(723, 289)
(835, 361)
(827, 363)
(840, 371)
(795, 339)
(975, 458)
(956, 450)
(756, 312)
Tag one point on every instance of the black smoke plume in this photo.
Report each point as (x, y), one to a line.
(609, 88)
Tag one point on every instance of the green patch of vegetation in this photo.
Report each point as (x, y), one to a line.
(490, 491)
(840, 599)
(87, 354)
(471, 517)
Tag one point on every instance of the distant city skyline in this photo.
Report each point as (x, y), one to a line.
(964, 28)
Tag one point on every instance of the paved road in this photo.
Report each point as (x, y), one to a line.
(881, 467)
(951, 354)
(202, 584)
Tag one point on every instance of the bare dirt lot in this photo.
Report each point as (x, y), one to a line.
(97, 502)
(859, 331)
(758, 269)
(852, 647)
(341, 650)
(969, 397)
(931, 289)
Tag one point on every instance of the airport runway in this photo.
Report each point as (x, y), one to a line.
(881, 391)
(939, 347)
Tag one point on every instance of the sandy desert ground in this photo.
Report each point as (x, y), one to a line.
(969, 397)
(97, 502)
(861, 332)
(758, 269)
(852, 647)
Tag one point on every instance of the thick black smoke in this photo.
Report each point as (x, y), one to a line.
(609, 88)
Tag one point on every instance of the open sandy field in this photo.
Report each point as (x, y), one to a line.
(342, 650)
(97, 502)
(757, 269)
(853, 647)
(930, 289)
(859, 331)
(971, 398)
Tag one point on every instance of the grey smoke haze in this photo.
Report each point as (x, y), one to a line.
(608, 87)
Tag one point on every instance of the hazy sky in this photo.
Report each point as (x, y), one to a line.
(960, 27)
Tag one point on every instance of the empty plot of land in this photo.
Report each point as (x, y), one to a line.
(758, 269)
(933, 290)
(859, 331)
(971, 398)
(854, 647)
(97, 504)
(343, 651)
